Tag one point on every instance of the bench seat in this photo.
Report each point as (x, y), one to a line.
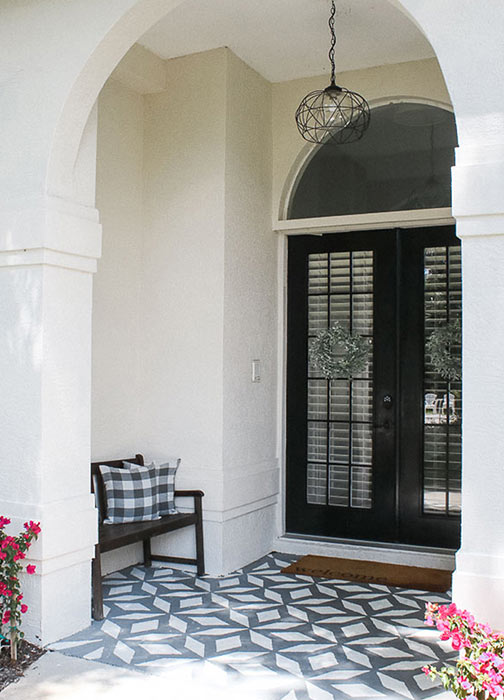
(115, 535)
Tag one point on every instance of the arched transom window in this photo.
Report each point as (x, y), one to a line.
(403, 162)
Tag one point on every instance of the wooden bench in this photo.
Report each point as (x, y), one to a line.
(119, 535)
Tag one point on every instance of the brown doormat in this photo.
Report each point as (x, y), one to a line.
(418, 578)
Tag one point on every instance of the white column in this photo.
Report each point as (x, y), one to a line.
(48, 252)
(478, 583)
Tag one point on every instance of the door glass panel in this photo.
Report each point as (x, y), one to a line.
(340, 399)
(317, 484)
(318, 278)
(339, 485)
(340, 416)
(317, 399)
(361, 487)
(442, 381)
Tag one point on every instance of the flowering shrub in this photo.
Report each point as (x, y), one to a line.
(479, 672)
(12, 552)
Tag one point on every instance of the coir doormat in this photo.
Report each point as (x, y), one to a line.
(418, 578)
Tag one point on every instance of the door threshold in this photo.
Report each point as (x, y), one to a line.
(385, 552)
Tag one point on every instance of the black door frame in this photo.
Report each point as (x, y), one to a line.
(394, 259)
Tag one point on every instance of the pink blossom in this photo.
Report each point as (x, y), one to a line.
(465, 684)
(30, 569)
(457, 641)
(33, 527)
(4, 521)
(24, 608)
(442, 626)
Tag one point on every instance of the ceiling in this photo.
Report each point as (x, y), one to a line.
(288, 39)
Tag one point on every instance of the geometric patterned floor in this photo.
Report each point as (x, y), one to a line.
(284, 637)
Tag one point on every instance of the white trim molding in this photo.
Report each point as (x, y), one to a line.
(412, 218)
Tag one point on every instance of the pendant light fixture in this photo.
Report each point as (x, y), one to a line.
(333, 115)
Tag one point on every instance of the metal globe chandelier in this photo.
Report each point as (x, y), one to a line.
(333, 115)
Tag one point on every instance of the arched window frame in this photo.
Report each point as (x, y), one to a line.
(348, 222)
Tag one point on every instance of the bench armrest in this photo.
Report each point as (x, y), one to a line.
(195, 493)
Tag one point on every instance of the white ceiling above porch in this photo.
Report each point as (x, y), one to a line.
(288, 39)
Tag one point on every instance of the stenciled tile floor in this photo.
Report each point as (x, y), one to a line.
(267, 634)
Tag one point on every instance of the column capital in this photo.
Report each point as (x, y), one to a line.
(48, 230)
(477, 177)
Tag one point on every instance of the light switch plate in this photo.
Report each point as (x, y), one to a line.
(256, 371)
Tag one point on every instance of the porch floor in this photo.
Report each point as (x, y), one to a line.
(259, 633)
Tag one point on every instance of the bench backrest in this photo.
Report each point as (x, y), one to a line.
(97, 483)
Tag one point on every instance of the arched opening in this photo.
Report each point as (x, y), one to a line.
(177, 271)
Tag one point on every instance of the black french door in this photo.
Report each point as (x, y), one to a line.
(377, 456)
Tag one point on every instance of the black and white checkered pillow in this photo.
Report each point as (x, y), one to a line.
(165, 474)
(131, 493)
(166, 486)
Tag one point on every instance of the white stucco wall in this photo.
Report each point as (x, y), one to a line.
(251, 474)
(189, 275)
(183, 273)
(117, 333)
(116, 290)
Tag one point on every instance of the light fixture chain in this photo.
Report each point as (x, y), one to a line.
(333, 42)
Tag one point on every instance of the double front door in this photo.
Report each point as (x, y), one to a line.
(376, 455)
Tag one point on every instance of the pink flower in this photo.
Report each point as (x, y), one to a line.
(30, 569)
(464, 683)
(457, 641)
(24, 608)
(6, 617)
(4, 521)
(33, 527)
(442, 626)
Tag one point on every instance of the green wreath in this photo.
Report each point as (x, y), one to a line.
(439, 346)
(348, 362)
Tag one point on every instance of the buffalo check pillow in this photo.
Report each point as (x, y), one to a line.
(131, 493)
(165, 476)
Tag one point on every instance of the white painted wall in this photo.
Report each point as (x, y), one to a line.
(250, 320)
(117, 332)
(185, 295)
